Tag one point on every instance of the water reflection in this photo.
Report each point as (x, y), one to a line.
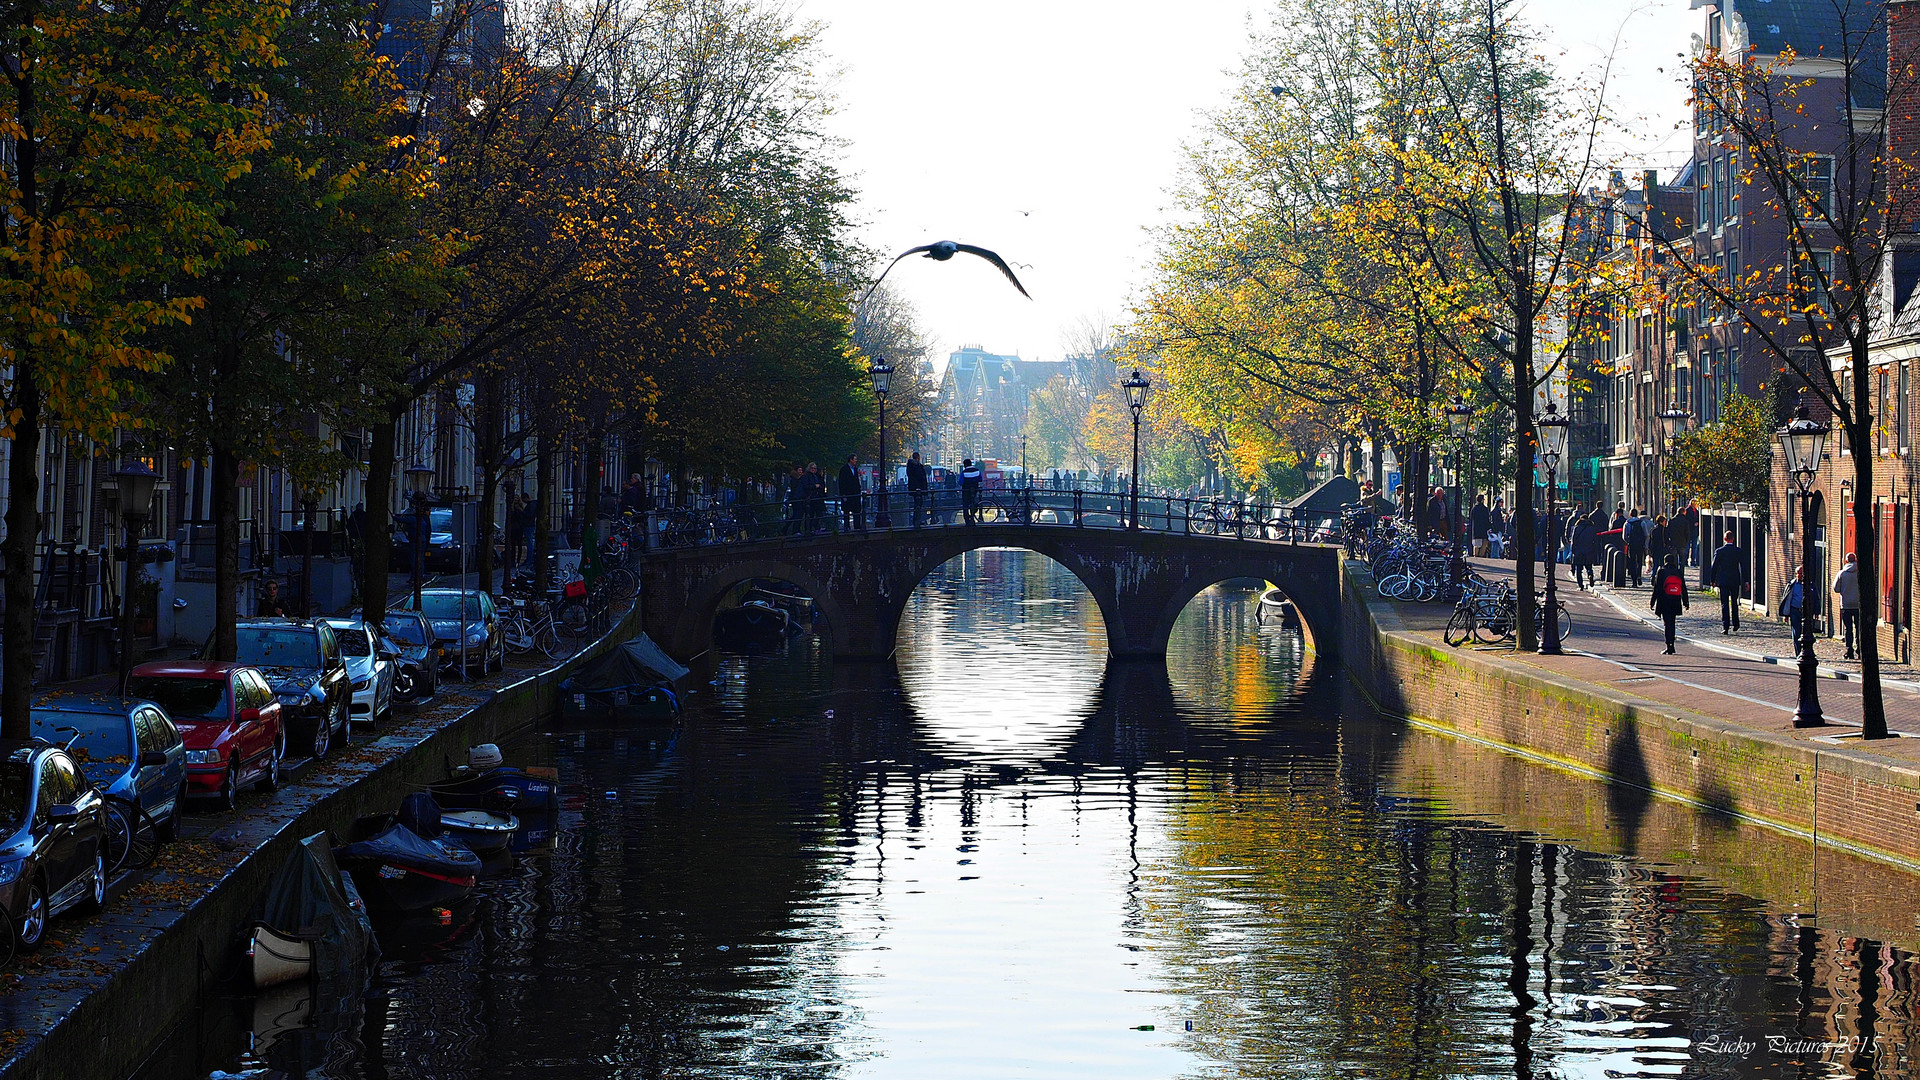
(1013, 859)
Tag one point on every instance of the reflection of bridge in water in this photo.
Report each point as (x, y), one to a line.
(1140, 579)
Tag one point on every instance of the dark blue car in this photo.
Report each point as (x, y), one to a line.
(127, 747)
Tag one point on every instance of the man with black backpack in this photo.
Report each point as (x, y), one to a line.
(1670, 594)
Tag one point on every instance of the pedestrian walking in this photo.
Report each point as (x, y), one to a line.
(816, 519)
(1437, 513)
(270, 604)
(794, 495)
(1477, 530)
(1728, 573)
(969, 491)
(1847, 584)
(1670, 596)
(1586, 549)
(1690, 519)
(633, 498)
(1658, 541)
(852, 515)
(1636, 540)
(1497, 528)
(917, 487)
(1793, 603)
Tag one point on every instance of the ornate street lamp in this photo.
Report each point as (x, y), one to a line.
(1803, 439)
(882, 374)
(1552, 427)
(1673, 421)
(136, 480)
(419, 480)
(1136, 387)
(1460, 422)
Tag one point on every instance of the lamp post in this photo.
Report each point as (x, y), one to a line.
(882, 374)
(1803, 439)
(1552, 427)
(1459, 421)
(1673, 421)
(419, 492)
(136, 479)
(1136, 386)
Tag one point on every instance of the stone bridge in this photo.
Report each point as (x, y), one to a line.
(1141, 580)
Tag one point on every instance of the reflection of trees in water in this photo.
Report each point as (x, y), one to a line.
(1225, 665)
(1312, 930)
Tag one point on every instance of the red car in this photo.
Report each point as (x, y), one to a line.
(228, 718)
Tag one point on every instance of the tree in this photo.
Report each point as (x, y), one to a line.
(1730, 461)
(886, 327)
(291, 338)
(1810, 150)
(125, 124)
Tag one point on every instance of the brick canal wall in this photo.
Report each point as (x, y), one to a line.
(100, 1018)
(1835, 797)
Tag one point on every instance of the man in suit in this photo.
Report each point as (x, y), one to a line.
(852, 517)
(1728, 572)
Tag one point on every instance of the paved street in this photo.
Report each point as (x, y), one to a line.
(1731, 679)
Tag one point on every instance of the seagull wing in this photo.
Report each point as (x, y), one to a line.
(997, 261)
(889, 270)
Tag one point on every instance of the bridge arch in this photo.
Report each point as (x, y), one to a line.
(692, 626)
(1139, 580)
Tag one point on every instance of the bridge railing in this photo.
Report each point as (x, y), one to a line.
(1045, 504)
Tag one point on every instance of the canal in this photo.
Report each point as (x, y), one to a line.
(1002, 857)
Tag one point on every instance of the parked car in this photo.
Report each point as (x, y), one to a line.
(53, 838)
(302, 664)
(417, 672)
(455, 613)
(443, 550)
(228, 718)
(370, 667)
(126, 747)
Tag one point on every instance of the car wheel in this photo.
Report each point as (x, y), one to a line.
(270, 777)
(96, 901)
(229, 799)
(322, 737)
(31, 926)
(170, 828)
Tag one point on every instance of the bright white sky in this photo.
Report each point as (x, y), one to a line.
(1051, 131)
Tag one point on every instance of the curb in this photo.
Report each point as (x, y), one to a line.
(1823, 670)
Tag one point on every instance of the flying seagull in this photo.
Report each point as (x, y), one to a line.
(941, 251)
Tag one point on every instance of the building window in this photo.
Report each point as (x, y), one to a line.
(1703, 198)
(1900, 410)
(1816, 174)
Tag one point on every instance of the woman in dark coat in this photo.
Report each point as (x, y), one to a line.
(1659, 541)
(1670, 596)
(1586, 549)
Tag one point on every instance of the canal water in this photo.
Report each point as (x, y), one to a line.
(1002, 856)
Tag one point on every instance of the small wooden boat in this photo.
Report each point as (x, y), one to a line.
(406, 864)
(274, 958)
(485, 832)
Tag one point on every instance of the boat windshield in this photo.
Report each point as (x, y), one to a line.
(184, 699)
(266, 646)
(104, 738)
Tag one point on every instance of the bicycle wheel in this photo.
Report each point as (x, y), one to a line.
(133, 839)
(1392, 586)
(516, 635)
(1564, 625)
(1494, 627)
(548, 641)
(621, 585)
(1460, 627)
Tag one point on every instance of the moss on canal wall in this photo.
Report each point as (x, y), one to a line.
(1833, 797)
(100, 1018)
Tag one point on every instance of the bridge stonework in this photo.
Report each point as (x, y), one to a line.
(1141, 580)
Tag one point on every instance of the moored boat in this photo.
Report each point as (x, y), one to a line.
(485, 832)
(409, 864)
(487, 783)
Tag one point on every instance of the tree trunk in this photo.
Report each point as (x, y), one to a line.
(544, 462)
(1866, 547)
(226, 554)
(23, 532)
(382, 454)
(1526, 634)
(488, 422)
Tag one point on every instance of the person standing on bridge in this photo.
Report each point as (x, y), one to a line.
(851, 517)
(1670, 594)
(917, 487)
(970, 491)
(816, 498)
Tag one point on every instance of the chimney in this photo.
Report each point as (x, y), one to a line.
(1903, 119)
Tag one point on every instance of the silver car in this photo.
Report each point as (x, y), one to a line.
(370, 668)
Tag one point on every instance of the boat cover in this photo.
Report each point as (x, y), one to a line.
(309, 897)
(1327, 499)
(403, 847)
(634, 663)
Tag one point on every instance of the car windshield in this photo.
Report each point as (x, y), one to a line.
(265, 646)
(352, 642)
(105, 738)
(448, 605)
(440, 521)
(13, 793)
(184, 699)
(406, 628)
